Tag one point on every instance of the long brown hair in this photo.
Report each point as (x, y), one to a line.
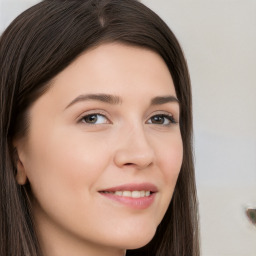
(39, 44)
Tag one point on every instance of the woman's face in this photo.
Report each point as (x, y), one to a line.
(103, 152)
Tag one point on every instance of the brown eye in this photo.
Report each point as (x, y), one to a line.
(90, 119)
(94, 119)
(162, 120)
(157, 120)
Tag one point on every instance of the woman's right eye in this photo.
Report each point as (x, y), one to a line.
(94, 119)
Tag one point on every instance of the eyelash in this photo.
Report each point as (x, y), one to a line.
(170, 118)
(93, 114)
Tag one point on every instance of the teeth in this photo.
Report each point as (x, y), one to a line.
(136, 194)
(133, 194)
(127, 193)
(119, 193)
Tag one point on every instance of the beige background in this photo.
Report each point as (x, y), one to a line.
(219, 41)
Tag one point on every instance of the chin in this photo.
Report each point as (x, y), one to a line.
(136, 239)
(138, 244)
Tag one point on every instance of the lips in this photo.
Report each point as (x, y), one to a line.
(133, 194)
(126, 188)
(138, 196)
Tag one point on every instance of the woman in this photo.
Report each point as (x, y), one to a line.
(96, 126)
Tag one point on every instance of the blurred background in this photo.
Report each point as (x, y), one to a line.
(219, 40)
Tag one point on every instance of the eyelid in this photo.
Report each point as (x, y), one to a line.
(107, 116)
(166, 113)
(93, 112)
(170, 120)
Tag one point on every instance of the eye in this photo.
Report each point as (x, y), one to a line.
(162, 119)
(94, 119)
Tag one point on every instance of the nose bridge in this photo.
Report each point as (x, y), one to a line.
(137, 137)
(134, 147)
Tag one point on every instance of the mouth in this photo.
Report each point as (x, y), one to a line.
(137, 196)
(127, 193)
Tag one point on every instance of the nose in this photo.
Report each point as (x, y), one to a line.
(134, 149)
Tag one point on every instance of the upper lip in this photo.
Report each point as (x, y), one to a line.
(132, 187)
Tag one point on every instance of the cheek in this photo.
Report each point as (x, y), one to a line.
(64, 162)
(63, 172)
(170, 157)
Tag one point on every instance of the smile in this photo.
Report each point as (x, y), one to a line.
(136, 196)
(133, 194)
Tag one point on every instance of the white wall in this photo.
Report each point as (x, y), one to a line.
(219, 41)
(9, 9)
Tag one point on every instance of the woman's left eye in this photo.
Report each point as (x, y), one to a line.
(162, 119)
(94, 119)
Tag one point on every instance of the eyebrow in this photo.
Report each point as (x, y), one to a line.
(115, 100)
(164, 99)
(106, 98)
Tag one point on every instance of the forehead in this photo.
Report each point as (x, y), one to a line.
(118, 69)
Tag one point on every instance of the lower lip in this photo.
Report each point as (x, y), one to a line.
(135, 203)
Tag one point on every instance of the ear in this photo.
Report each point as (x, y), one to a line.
(21, 176)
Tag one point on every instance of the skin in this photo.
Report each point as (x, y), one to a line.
(68, 160)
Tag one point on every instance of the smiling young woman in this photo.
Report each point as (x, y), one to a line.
(96, 126)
